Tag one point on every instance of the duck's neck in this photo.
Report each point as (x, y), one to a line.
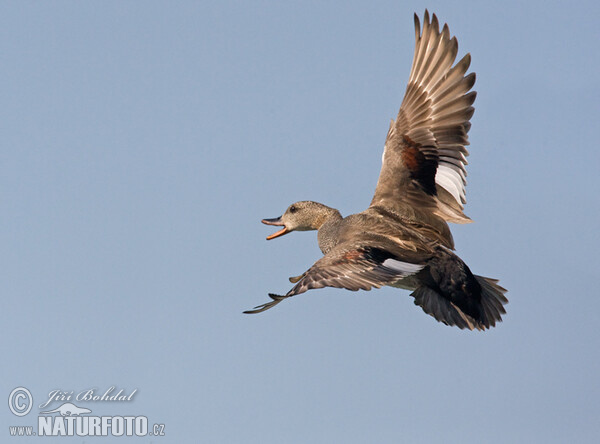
(328, 230)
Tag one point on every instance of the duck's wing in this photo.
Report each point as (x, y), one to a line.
(425, 156)
(351, 267)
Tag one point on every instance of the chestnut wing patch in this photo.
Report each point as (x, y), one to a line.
(421, 162)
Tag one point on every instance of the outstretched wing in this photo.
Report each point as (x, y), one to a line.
(352, 268)
(425, 156)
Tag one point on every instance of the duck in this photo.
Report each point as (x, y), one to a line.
(403, 239)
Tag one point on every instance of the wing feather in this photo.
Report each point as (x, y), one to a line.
(351, 267)
(425, 152)
(355, 268)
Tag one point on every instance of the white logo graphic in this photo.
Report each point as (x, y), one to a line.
(68, 409)
(15, 401)
(69, 419)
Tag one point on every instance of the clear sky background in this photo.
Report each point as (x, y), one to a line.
(142, 142)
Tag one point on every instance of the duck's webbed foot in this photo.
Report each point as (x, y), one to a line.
(260, 308)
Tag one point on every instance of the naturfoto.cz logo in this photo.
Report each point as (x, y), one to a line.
(70, 419)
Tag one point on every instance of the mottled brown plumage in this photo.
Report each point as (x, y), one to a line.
(403, 239)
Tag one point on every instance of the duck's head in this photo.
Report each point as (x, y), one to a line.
(300, 216)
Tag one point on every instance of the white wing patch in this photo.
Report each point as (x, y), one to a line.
(402, 267)
(452, 181)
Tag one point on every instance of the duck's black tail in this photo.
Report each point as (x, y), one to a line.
(453, 295)
(492, 300)
(478, 315)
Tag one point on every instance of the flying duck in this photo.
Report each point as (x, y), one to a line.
(403, 239)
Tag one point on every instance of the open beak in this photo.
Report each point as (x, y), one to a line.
(277, 222)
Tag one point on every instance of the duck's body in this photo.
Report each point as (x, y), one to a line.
(403, 239)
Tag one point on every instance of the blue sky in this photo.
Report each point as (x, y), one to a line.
(142, 142)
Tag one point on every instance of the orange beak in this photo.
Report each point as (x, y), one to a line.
(277, 222)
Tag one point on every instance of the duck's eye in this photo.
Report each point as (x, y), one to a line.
(293, 209)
